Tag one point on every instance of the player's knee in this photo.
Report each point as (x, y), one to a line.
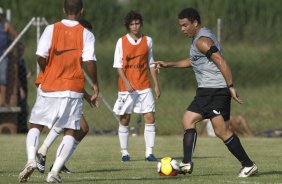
(149, 118)
(124, 119)
(84, 129)
(223, 134)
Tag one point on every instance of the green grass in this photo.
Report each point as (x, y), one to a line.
(261, 108)
(97, 160)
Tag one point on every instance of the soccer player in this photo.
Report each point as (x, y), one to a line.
(133, 58)
(213, 96)
(62, 48)
(55, 131)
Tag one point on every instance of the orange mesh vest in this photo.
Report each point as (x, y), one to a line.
(39, 78)
(64, 71)
(134, 64)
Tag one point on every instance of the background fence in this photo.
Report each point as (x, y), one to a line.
(251, 39)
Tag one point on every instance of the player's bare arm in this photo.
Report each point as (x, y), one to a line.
(156, 82)
(42, 62)
(184, 63)
(127, 84)
(91, 68)
(204, 44)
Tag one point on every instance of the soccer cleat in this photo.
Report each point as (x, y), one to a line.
(53, 178)
(125, 158)
(63, 169)
(151, 158)
(248, 171)
(40, 162)
(185, 168)
(27, 171)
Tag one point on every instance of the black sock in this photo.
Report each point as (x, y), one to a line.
(235, 147)
(189, 143)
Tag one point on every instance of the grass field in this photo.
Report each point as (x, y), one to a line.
(97, 160)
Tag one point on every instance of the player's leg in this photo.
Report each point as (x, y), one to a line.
(69, 107)
(83, 131)
(78, 135)
(42, 152)
(32, 140)
(124, 107)
(64, 151)
(37, 122)
(234, 146)
(189, 140)
(149, 135)
(123, 134)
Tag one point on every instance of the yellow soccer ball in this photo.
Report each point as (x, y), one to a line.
(167, 166)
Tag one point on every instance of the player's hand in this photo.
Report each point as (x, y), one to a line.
(95, 101)
(158, 92)
(128, 87)
(235, 95)
(159, 65)
(91, 102)
(94, 97)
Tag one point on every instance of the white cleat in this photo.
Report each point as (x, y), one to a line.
(27, 171)
(248, 171)
(53, 178)
(185, 168)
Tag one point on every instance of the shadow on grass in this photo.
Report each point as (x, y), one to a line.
(126, 179)
(197, 157)
(160, 178)
(99, 170)
(269, 173)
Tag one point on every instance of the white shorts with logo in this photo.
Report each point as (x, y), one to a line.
(63, 112)
(136, 102)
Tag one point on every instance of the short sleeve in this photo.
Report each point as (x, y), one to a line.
(118, 54)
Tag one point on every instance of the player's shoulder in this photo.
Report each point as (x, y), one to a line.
(148, 37)
(49, 29)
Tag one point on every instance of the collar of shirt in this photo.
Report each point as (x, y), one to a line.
(132, 41)
(70, 23)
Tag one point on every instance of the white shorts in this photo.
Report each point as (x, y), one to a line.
(60, 112)
(134, 102)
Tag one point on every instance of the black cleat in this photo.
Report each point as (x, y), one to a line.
(40, 162)
(64, 169)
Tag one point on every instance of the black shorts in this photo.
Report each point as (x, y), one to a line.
(210, 102)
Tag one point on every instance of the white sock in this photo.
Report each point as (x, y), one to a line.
(149, 136)
(123, 133)
(52, 135)
(64, 151)
(32, 140)
(76, 142)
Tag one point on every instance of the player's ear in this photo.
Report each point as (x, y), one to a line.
(196, 23)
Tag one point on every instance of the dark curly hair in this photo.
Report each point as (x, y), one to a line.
(191, 14)
(130, 16)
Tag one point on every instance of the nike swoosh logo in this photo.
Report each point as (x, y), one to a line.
(131, 58)
(59, 52)
(216, 112)
(246, 173)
